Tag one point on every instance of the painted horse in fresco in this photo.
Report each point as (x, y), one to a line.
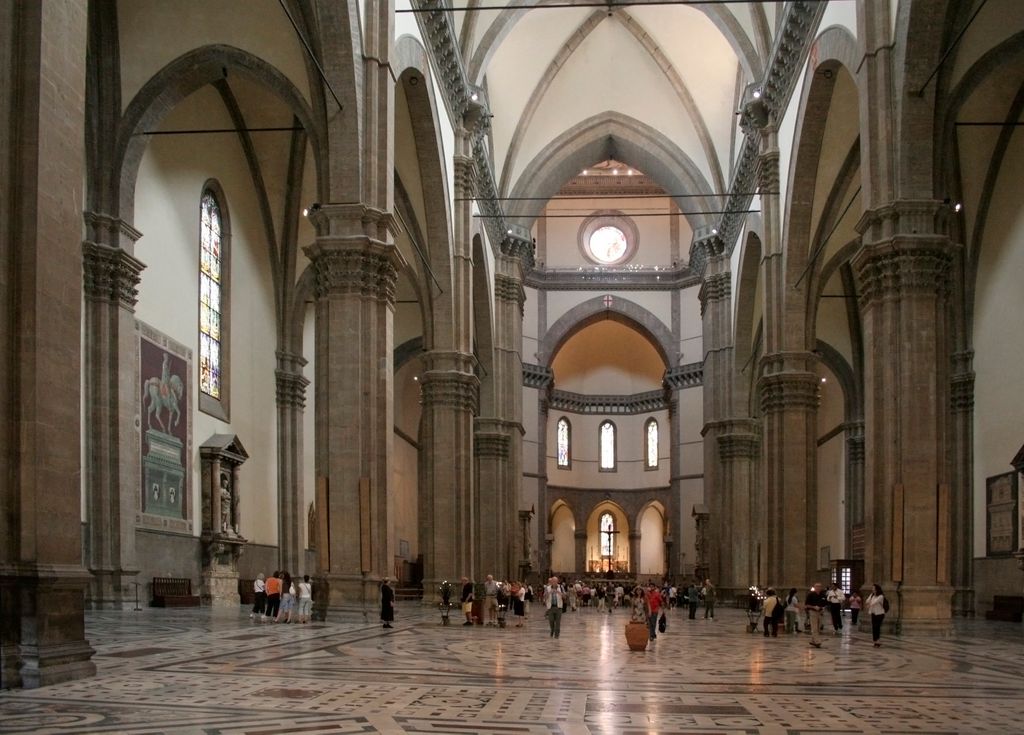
(162, 394)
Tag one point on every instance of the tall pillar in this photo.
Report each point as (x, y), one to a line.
(291, 400)
(509, 299)
(715, 300)
(739, 442)
(634, 552)
(903, 273)
(580, 540)
(356, 270)
(962, 486)
(789, 406)
(448, 509)
(112, 468)
(492, 451)
(42, 580)
(855, 489)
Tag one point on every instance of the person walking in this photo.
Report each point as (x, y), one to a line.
(554, 599)
(814, 604)
(710, 595)
(305, 599)
(835, 599)
(855, 604)
(654, 603)
(387, 603)
(792, 611)
(259, 590)
(467, 600)
(877, 606)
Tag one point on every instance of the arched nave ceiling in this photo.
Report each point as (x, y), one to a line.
(677, 68)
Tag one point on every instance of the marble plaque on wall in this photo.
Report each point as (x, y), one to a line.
(1001, 516)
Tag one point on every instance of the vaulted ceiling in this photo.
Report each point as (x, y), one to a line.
(669, 74)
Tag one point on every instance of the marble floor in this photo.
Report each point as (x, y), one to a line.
(196, 671)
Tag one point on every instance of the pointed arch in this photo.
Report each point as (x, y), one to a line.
(611, 135)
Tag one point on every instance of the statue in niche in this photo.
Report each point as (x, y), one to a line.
(228, 505)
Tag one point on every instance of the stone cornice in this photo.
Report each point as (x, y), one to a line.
(599, 278)
(291, 388)
(110, 274)
(685, 376)
(109, 231)
(788, 391)
(792, 43)
(563, 400)
(537, 376)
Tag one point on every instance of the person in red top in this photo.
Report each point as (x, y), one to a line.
(273, 596)
(653, 609)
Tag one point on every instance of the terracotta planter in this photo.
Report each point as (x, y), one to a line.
(636, 636)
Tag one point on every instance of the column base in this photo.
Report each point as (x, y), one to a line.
(915, 610)
(42, 626)
(346, 593)
(113, 589)
(220, 589)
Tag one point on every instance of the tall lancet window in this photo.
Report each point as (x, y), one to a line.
(607, 535)
(564, 442)
(607, 448)
(651, 439)
(213, 236)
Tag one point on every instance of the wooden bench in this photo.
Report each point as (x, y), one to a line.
(1006, 607)
(173, 592)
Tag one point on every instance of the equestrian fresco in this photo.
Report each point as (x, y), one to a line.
(163, 418)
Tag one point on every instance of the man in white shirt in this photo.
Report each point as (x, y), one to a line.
(553, 600)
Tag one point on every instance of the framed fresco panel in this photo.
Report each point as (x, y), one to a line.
(164, 423)
(1001, 515)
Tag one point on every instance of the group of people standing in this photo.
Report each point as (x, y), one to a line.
(278, 598)
(815, 603)
(496, 595)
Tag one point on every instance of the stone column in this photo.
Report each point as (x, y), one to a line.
(855, 489)
(580, 537)
(111, 399)
(42, 580)
(962, 486)
(291, 400)
(491, 450)
(715, 300)
(448, 511)
(739, 443)
(903, 271)
(356, 269)
(634, 552)
(789, 405)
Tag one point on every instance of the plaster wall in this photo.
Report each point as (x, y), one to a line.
(154, 33)
(171, 178)
(653, 236)
(652, 543)
(998, 354)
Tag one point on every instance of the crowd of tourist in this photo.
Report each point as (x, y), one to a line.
(280, 599)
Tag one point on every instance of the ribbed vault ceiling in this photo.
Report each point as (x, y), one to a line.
(673, 68)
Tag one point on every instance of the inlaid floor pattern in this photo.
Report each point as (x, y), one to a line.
(198, 671)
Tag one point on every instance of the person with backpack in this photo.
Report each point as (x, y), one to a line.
(878, 606)
(772, 608)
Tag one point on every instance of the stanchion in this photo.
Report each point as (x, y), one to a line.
(137, 608)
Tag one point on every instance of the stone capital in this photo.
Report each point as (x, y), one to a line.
(716, 287)
(465, 178)
(450, 389)
(111, 274)
(358, 266)
(352, 220)
(491, 444)
(786, 391)
(291, 388)
(768, 172)
(510, 290)
(897, 270)
(738, 446)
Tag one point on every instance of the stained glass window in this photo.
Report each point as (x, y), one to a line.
(608, 244)
(210, 261)
(563, 441)
(607, 446)
(607, 535)
(652, 443)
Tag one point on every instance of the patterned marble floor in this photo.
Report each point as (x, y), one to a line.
(196, 671)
